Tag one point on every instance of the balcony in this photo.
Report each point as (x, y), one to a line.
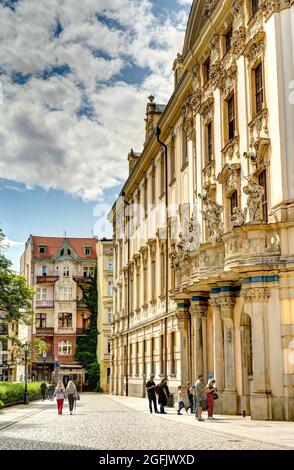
(82, 304)
(49, 359)
(47, 279)
(44, 303)
(83, 280)
(43, 331)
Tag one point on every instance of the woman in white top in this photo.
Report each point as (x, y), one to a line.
(60, 396)
(71, 394)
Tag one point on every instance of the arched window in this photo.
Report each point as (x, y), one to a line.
(62, 252)
(65, 348)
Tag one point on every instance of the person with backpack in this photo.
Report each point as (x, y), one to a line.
(151, 392)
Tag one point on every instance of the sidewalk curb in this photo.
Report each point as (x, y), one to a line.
(271, 445)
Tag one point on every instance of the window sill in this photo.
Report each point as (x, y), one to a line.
(172, 181)
(152, 302)
(184, 166)
(172, 375)
(229, 143)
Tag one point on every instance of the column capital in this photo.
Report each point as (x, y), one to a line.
(255, 294)
(199, 310)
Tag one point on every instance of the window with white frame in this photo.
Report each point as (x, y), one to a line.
(65, 293)
(66, 271)
(87, 250)
(41, 293)
(88, 271)
(109, 315)
(110, 288)
(65, 348)
(110, 264)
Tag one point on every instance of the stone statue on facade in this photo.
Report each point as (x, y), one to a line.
(254, 194)
(212, 216)
(238, 217)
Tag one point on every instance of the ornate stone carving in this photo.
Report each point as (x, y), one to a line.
(212, 212)
(188, 117)
(216, 73)
(229, 81)
(238, 217)
(229, 335)
(258, 127)
(199, 310)
(207, 109)
(183, 314)
(254, 194)
(239, 40)
(255, 293)
(230, 178)
(230, 152)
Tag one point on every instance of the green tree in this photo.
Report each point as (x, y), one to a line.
(15, 294)
(86, 350)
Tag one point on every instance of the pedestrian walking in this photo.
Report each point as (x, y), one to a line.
(151, 391)
(190, 397)
(163, 395)
(201, 397)
(50, 391)
(181, 403)
(72, 395)
(60, 396)
(212, 395)
(43, 388)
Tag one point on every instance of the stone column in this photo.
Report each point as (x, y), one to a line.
(199, 314)
(255, 304)
(218, 344)
(227, 304)
(183, 319)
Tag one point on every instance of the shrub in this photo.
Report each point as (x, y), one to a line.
(1, 404)
(13, 392)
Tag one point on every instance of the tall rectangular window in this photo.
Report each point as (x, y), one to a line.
(258, 79)
(206, 70)
(162, 268)
(131, 359)
(65, 320)
(172, 158)
(153, 186)
(152, 346)
(209, 142)
(41, 293)
(41, 320)
(137, 359)
(172, 354)
(153, 276)
(234, 201)
(162, 173)
(161, 354)
(254, 6)
(228, 39)
(110, 288)
(184, 148)
(263, 183)
(231, 117)
(125, 360)
(144, 348)
(146, 198)
(145, 285)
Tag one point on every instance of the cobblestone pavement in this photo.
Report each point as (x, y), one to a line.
(102, 423)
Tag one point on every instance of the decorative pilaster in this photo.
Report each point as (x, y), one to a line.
(218, 344)
(183, 318)
(199, 314)
(256, 305)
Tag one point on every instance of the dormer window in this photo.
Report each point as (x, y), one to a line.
(62, 252)
(68, 252)
(42, 249)
(87, 250)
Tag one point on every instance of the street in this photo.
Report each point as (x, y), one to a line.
(103, 423)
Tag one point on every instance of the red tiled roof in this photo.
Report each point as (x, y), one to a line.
(53, 244)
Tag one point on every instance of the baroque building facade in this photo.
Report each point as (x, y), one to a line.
(105, 309)
(59, 269)
(228, 184)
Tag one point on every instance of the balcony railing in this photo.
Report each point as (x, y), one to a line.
(47, 279)
(44, 303)
(49, 359)
(43, 331)
(83, 279)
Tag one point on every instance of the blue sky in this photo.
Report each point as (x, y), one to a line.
(70, 74)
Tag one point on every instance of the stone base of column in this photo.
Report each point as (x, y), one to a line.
(261, 406)
(229, 400)
(244, 404)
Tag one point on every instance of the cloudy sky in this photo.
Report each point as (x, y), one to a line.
(74, 81)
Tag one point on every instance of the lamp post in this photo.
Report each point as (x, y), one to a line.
(44, 354)
(26, 394)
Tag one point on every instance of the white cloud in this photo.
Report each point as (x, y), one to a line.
(6, 243)
(73, 131)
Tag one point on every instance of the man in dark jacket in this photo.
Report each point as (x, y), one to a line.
(43, 388)
(151, 387)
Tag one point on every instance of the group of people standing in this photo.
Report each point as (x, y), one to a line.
(61, 393)
(199, 396)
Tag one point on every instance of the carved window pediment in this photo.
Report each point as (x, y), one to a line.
(230, 178)
(207, 109)
(255, 48)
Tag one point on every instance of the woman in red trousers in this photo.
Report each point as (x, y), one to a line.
(60, 395)
(211, 392)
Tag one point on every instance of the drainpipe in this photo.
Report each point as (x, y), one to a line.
(157, 132)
